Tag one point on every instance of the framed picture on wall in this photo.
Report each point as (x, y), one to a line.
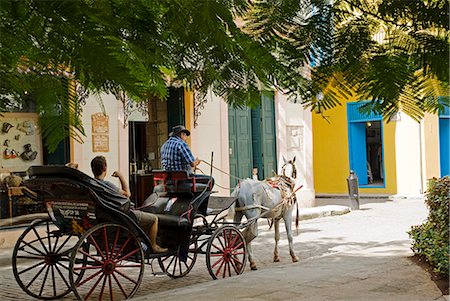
(20, 140)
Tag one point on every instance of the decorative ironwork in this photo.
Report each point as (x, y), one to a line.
(130, 106)
(199, 104)
(82, 94)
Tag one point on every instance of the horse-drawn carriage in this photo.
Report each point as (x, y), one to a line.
(91, 244)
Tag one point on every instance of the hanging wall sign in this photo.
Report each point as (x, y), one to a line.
(100, 123)
(100, 132)
(100, 143)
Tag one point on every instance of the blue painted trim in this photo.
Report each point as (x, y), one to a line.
(372, 186)
(371, 117)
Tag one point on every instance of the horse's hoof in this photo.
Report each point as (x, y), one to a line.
(276, 259)
(294, 259)
(253, 266)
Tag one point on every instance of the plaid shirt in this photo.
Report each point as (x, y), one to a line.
(176, 155)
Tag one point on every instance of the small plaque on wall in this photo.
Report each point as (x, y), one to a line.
(100, 143)
(100, 123)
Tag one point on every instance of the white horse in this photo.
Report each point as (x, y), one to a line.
(273, 198)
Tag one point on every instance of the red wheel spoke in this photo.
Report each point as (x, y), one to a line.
(91, 257)
(96, 247)
(94, 287)
(127, 255)
(234, 265)
(232, 244)
(220, 267)
(120, 286)
(89, 278)
(238, 246)
(105, 240)
(111, 296)
(125, 276)
(124, 244)
(103, 288)
(220, 260)
(219, 249)
(115, 242)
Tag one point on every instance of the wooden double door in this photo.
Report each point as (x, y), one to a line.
(252, 140)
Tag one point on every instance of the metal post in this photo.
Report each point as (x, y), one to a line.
(353, 192)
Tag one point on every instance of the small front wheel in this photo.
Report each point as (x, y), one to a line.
(226, 253)
(179, 265)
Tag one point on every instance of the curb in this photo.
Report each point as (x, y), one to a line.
(322, 211)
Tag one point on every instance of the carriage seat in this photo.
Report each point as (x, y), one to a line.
(171, 220)
(177, 181)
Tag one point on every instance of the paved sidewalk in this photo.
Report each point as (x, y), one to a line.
(362, 255)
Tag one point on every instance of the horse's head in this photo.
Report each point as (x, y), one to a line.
(289, 169)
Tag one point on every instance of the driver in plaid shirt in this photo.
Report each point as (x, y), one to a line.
(176, 155)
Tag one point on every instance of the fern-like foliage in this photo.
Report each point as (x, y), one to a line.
(392, 51)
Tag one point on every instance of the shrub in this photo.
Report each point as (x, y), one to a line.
(430, 239)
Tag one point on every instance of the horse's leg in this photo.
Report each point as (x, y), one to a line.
(250, 233)
(276, 224)
(288, 223)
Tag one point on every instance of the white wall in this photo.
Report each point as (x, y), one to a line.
(211, 135)
(294, 138)
(117, 157)
(408, 156)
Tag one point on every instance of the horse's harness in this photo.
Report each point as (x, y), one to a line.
(286, 187)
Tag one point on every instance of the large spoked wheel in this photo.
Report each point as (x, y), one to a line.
(226, 253)
(40, 261)
(179, 265)
(112, 261)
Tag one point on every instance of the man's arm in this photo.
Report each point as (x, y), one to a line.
(125, 190)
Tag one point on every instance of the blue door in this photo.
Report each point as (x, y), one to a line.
(444, 145)
(358, 151)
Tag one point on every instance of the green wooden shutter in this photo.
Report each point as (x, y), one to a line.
(241, 160)
(268, 138)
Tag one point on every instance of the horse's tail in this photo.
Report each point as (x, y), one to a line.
(297, 217)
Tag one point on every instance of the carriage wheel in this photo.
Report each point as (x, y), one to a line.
(174, 267)
(226, 253)
(41, 261)
(112, 260)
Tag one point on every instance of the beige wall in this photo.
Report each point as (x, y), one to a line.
(211, 135)
(117, 157)
(430, 147)
(294, 139)
(408, 156)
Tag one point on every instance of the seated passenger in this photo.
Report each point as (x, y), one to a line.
(176, 155)
(147, 221)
